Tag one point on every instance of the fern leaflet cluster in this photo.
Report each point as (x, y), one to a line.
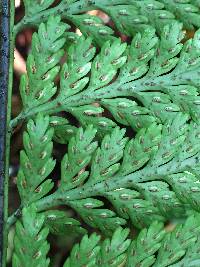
(176, 248)
(132, 156)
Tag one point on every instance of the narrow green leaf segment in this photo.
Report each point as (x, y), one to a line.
(36, 162)
(30, 242)
(126, 115)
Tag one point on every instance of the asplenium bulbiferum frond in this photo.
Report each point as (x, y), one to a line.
(129, 16)
(148, 87)
(152, 247)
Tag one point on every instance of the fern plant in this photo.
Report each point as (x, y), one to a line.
(131, 160)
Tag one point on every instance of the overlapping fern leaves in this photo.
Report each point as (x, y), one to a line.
(145, 178)
(161, 74)
(152, 247)
(129, 16)
(31, 246)
(149, 88)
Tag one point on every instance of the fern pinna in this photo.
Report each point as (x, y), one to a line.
(132, 158)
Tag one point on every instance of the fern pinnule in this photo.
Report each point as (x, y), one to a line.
(60, 223)
(31, 246)
(37, 86)
(154, 246)
(129, 17)
(36, 162)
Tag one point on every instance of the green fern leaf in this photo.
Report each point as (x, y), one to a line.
(85, 253)
(170, 80)
(92, 115)
(63, 131)
(60, 224)
(129, 204)
(30, 242)
(129, 16)
(80, 150)
(142, 250)
(35, 7)
(104, 219)
(37, 87)
(105, 163)
(92, 26)
(139, 150)
(112, 252)
(183, 237)
(36, 162)
(78, 65)
(108, 253)
(185, 11)
(129, 113)
(113, 169)
(151, 87)
(152, 247)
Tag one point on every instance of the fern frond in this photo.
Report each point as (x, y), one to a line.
(93, 214)
(152, 247)
(191, 257)
(31, 247)
(134, 16)
(105, 162)
(59, 223)
(92, 26)
(157, 73)
(135, 176)
(139, 177)
(36, 162)
(37, 86)
(80, 150)
(107, 253)
(129, 16)
(33, 7)
(142, 251)
(84, 253)
(112, 252)
(182, 238)
(150, 86)
(63, 130)
(78, 65)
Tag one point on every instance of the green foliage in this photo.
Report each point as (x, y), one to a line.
(63, 131)
(30, 242)
(38, 86)
(92, 26)
(142, 250)
(32, 246)
(85, 253)
(91, 252)
(32, 8)
(80, 150)
(181, 239)
(112, 252)
(112, 171)
(156, 72)
(59, 223)
(105, 163)
(36, 162)
(78, 92)
(152, 247)
(103, 219)
(129, 16)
